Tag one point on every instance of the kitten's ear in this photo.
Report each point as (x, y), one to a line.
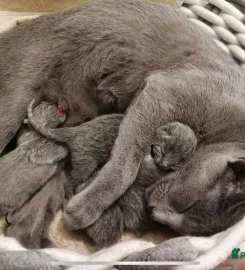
(238, 166)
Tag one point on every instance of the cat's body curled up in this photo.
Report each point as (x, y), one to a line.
(126, 56)
(90, 145)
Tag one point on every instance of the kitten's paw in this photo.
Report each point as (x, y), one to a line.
(81, 212)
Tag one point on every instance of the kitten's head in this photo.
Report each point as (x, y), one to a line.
(206, 195)
(48, 115)
(174, 144)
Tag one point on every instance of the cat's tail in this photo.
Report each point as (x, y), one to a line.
(56, 134)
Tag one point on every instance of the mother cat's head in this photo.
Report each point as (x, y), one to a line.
(206, 195)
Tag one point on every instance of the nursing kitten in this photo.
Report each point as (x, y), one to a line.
(29, 167)
(151, 64)
(32, 181)
(90, 145)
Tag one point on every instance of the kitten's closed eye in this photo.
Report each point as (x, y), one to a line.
(156, 151)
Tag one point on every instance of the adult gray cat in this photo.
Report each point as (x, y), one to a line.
(196, 87)
(35, 160)
(126, 54)
(90, 145)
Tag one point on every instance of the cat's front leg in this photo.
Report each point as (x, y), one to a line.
(154, 106)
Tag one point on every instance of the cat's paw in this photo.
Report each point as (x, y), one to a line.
(81, 211)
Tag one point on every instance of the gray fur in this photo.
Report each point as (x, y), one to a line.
(90, 145)
(87, 59)
(196, 88)
(175, 143)
(215, 175)
(129, 212)
(30, 224)
(113, 55)
(35, 160)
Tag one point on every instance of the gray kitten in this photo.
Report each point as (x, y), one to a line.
(133, 57)
(30, 224)
(35, 160)
(90, 146)
(175, 143)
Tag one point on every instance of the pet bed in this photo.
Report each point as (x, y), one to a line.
(221, 20)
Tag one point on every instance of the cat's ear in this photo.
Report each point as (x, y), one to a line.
(238, 166)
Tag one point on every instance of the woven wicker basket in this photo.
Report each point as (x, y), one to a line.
(221, 20)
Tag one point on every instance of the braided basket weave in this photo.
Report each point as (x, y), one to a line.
(223, 21)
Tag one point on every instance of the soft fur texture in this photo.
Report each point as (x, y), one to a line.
(27, 168)
(175, 74)
(90, 145)
(33, 167)
(46, 5)
(217, 198)
(196, 87)
(47, 68)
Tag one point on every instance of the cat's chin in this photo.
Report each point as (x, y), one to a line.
(171, 219)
